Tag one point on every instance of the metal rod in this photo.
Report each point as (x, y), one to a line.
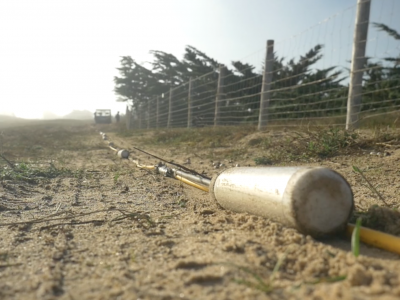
(201, 187)
(194, 178)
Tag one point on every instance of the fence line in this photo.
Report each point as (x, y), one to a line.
(300, 91)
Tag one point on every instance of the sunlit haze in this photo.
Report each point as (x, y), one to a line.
(58, 56)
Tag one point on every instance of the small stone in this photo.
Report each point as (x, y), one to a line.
(207, 212)
(125, 189)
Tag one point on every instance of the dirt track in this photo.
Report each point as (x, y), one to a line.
(96, 227)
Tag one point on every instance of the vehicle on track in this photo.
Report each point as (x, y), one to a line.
(102, 116)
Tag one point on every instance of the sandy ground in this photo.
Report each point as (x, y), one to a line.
(103, 229)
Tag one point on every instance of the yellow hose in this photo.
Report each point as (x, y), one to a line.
(376, 238)
(146, 167)
(136, 162)
(204, 188)
(368, 236)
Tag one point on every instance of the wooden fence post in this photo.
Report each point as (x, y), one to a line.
(189, 122)
(219, 97)
(140, 117)
(170, 108)
(266, 85)
(128, 115)
(157, 111)
(358, 61)
(148, 114)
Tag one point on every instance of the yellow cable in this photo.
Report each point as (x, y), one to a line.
(368, 236)
(136, 162)
(201, 187)
(376, 238)
(146, 167)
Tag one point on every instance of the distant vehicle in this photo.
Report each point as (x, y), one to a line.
(102, 116)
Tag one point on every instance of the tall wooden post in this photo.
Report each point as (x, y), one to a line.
(157, 111)
(219, 97)
(128, 115)
(266, 86)
(189, 122)
(358, 61)
(169, 122)
(148, 113)
(140, 117)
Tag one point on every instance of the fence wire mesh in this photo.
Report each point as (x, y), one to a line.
(311, 74)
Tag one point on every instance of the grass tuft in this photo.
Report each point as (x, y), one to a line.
(31, 172)
(263, 161)
(355, 238)
(265, 286)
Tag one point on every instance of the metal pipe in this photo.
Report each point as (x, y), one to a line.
(315, 201)
(194, 184)
(193, 178)
(164, 170)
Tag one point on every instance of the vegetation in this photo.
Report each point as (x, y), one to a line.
(355, 238)
(299, 89)
(318, 143)
(216, 137)
(382, 79)
(30, 173)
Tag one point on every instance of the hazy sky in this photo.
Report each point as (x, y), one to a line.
(62, 55)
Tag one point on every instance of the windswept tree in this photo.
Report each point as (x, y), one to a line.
(168, 69)
(381, 89)
(298, 89)
(198, 62)
(136, 84)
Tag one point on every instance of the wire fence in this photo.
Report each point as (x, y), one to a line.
(341, 71)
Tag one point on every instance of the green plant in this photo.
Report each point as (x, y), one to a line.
(212, 137)
(31, 172)
(328, 142)
(263, 161)
(116, 176)
(258, 283)
(318, 143)
(355, 238)
(182, 203)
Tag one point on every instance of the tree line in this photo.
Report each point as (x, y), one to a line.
(298, 89)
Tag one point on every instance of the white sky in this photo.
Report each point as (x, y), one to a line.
(62, 55)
